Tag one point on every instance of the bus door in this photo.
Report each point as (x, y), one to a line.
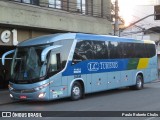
(55, 66)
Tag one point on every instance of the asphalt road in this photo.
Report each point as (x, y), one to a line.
(123, 99)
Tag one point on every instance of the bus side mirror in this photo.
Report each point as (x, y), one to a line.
(46, 50)
(5, 54)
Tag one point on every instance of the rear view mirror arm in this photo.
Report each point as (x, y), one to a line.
(5, 54)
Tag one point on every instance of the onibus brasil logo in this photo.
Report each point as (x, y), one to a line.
(96, 66)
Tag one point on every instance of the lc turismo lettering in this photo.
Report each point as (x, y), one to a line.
(95, 66)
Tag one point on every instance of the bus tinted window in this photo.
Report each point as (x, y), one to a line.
(139, 50)
(87, 49)
(90, 50)
(114, 48)
(100, 49)
(129, 49)
(84, 50)
(151, 50)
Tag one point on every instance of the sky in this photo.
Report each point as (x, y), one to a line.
(127, 8)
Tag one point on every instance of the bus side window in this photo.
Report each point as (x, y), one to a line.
(114, 48)
(82, 51)
(150, 49)
(139, 50)
(77, 58)
(100, 50)
(54, 62)
(128, 50)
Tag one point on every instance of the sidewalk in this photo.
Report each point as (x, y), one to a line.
(4, 97)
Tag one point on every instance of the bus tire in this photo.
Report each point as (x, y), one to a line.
(139, 83)
(76, 91)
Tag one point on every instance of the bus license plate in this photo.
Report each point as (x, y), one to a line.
(23, 97)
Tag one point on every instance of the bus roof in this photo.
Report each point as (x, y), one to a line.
(47, 39)
(79, 36)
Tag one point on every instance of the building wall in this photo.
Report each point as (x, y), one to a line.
(13, 34)
(35, 17)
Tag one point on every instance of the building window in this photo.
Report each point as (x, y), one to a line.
(26, 1)
(33, 2)
(81, 7)
(55, 4)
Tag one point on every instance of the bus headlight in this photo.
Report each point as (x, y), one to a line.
(42, 86)
(41, 95)
(11, 95)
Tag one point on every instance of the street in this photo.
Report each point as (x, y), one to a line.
(122, 99)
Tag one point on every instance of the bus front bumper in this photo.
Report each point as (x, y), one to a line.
(41, 95)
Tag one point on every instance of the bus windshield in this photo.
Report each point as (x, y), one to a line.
(27, 65)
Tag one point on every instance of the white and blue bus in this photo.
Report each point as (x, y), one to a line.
(74, 64)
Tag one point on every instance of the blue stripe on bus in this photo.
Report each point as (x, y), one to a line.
(95, 66)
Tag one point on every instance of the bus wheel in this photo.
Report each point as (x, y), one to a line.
(139, 83)
(76, 91)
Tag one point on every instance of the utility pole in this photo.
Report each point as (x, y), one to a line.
(116, 16)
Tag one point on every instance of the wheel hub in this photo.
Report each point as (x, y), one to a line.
(139, 83)
(76, 91)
